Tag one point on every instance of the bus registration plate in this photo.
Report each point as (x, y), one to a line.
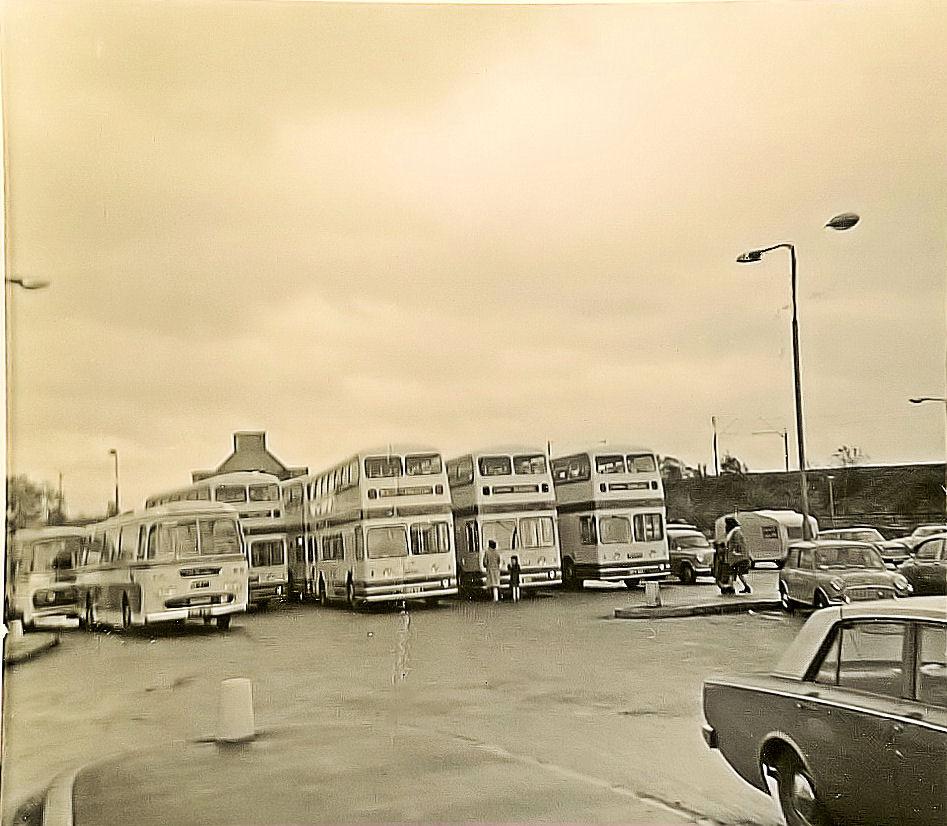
(201, 583)
(413, 589)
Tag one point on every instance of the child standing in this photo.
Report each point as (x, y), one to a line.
(514, 570)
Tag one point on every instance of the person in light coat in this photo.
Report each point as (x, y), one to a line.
(491, 563)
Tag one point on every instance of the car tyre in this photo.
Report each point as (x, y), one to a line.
(223, 622)
(784, 599)
(798, 798)
(687, 575)
(819, 601)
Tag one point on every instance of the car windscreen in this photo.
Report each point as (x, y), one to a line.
(690, 541)
(844, 557)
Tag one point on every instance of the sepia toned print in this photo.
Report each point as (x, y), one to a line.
(474, 413)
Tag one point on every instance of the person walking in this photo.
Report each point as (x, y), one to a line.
(722, 572)
(738, 557)
(514, 570)
(491, 562)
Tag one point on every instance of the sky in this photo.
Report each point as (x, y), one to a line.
(352, 225)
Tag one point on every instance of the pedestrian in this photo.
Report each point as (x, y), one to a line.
(722, 573)
(514, 570)
(491, 563)
(738, 557)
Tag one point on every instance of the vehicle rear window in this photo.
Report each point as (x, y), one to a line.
(866, 656)
(264, 493)
(931, 677)
(609, 464)
(529, 465)
(495, 466)
(422, 464)
(382, 467)
(641, 463)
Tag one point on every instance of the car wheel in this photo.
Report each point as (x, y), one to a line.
(784, 599)
(798, 799)
(687, 575)
(819, 601)
(223, 622)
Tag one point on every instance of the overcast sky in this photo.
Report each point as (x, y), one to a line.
(354, 225)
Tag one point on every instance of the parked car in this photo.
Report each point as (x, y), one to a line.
(919, 534)
(851, 725)
(690, 551)
(892, 552)
(827, 572)
(927, 571)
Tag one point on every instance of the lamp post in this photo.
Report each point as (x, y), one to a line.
(943, 401)
(840, 222)
(114, 453)
(830, 478)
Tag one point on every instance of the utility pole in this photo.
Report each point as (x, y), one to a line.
(713, 422)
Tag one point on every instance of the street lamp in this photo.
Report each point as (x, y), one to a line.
(114, 453)
(830, 478)
(840, 222)
(943, 401)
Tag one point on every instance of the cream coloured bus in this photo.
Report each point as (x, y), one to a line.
(40, 574)
(505, 495)
(165, 563)
(611, 509)
(373, 528)
(256, 497)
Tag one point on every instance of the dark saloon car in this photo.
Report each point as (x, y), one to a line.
(927, 571)
(851, 726)
(827, 572)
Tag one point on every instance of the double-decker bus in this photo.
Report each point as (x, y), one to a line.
(40, 574)
(505, 495)
(256, 496)
(374, 528)
(611, 516)
(164, 563)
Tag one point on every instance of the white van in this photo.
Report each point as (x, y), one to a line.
(768, 533)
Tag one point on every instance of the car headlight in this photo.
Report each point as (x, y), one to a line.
(837, 584)
(901, 583)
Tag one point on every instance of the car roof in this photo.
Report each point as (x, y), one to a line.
(831, 543)
(798, 656)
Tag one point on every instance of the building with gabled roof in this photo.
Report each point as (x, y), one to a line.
(250, 453)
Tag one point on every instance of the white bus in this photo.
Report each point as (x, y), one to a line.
(505, 495)
(611, 516)
(374, 528)
(40, 574)
(165, 563)
(256, 496)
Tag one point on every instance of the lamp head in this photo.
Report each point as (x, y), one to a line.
(750, 257)
(844, 221)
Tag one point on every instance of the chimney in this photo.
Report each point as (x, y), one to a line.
(254, 440)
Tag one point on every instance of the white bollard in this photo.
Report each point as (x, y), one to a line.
(652, 592)
(15, 630)
(235, 711)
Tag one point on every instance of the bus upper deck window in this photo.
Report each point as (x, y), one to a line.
(641, 463)
(609, 464)
(529, 465)
(382, 467)
(422, 464)
(495, 466)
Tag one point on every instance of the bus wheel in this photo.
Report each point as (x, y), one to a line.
(223, 622)
(432, 602)
(126, 614)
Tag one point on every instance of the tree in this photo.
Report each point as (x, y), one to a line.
(731, 464)
(32, 504)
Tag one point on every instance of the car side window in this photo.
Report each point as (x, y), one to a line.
(792, 558)
(930, 678)
(931, 550)
(805, 559)
(871, 657)
(828, 668)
